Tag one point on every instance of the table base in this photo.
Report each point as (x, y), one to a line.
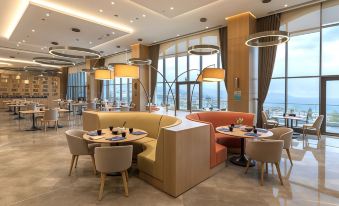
(19, 117)
(241, 161)
(33, 129)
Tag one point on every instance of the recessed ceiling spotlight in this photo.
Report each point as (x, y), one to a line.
(108, 35)
(203, 19)
(100, 10)
(144, 15)
(266, 1)
(42, 48)
(90, 42)
(54, 43)
(285, 5)
(33, 30)
(48, 14)
(139, 39)
(112, 2)
(118, 46)
(19, 42)
(12, 57)
(178, 34)
(172, 8)
(116, 15)
(154, 41)
(23, 41)
(131, 21)
(18, 45)
(113, 32)
(75, 29)
(206, 27)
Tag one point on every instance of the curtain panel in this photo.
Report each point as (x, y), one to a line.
(266, 61)
(223, 51)
(154, 56)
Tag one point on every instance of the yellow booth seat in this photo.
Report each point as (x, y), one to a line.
(150, 160)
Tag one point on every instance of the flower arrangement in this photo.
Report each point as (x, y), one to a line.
(239, 120)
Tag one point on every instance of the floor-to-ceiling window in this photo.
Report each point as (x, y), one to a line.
(302, 64)
(76, 85)
(175, 63)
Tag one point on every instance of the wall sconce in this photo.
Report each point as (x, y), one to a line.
(236, 83)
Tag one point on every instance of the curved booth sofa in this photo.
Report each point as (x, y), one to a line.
(219, 142)
(168, 159)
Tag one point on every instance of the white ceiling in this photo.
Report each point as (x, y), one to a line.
(151, 20)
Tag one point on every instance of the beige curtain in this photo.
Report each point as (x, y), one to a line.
(223, 50)
(266, 61)
(154, 56)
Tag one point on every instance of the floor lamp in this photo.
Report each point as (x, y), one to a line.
(148, 62)
(208, 74)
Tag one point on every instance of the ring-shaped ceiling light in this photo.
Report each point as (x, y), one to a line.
(38, 68)
(83, 53)
(139, 61)
(203, 49)
(278, 37)
(53, 61)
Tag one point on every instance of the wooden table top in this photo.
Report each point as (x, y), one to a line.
(239, 132)
(43, 111)
(108, 134)
(288, 117)
(16, 105)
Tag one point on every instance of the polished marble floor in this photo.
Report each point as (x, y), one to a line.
(34, 171)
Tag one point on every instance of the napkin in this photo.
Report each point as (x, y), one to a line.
(138, 133)
(116, 138)
(262, 130)
(224, 129)
(250, 134)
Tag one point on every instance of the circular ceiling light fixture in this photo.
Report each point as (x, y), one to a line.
(74, 52)
(139, 61)
(53, 61)
(203, 49)
(267, 38)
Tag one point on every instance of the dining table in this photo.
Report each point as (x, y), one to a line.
(107, 138)
(33, 113)
(289, 122)
(79, 105)
(240, 132)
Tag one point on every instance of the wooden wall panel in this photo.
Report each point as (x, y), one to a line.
(239, 64)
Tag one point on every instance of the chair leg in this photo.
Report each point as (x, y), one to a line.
(266, 164)
(76, 161)
(126, 172)
(279, 173)
(262, 173)
(124, 179)
(247, 166)
(304, 133)
(319, 134)
(45, 126)
(102, 184)
(94, 167)
(289, 155)
(56, 125)
(72, 163)
(272, 168)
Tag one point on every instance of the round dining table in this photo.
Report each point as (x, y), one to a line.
(239, 132)
(108, 138)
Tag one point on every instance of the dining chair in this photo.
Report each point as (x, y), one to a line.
(50, 115)
(285, 134)
(92, 106)
(268, 123)
(267, 151)
(113, 159)
(78, 146)
(316, 126)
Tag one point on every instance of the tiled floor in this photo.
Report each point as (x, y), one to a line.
(34, 167)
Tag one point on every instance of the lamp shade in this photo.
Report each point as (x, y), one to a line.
(213, 75)
(126, 71)
(26, 81)
(103, 74)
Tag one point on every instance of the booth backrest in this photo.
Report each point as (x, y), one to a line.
(226, 118)
(152, 123)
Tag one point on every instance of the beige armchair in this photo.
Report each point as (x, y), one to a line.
(78, 146)
(316, 126)
(268, 151)
(50, 116)
(285, 134)
(268, 123)
(113, 159)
